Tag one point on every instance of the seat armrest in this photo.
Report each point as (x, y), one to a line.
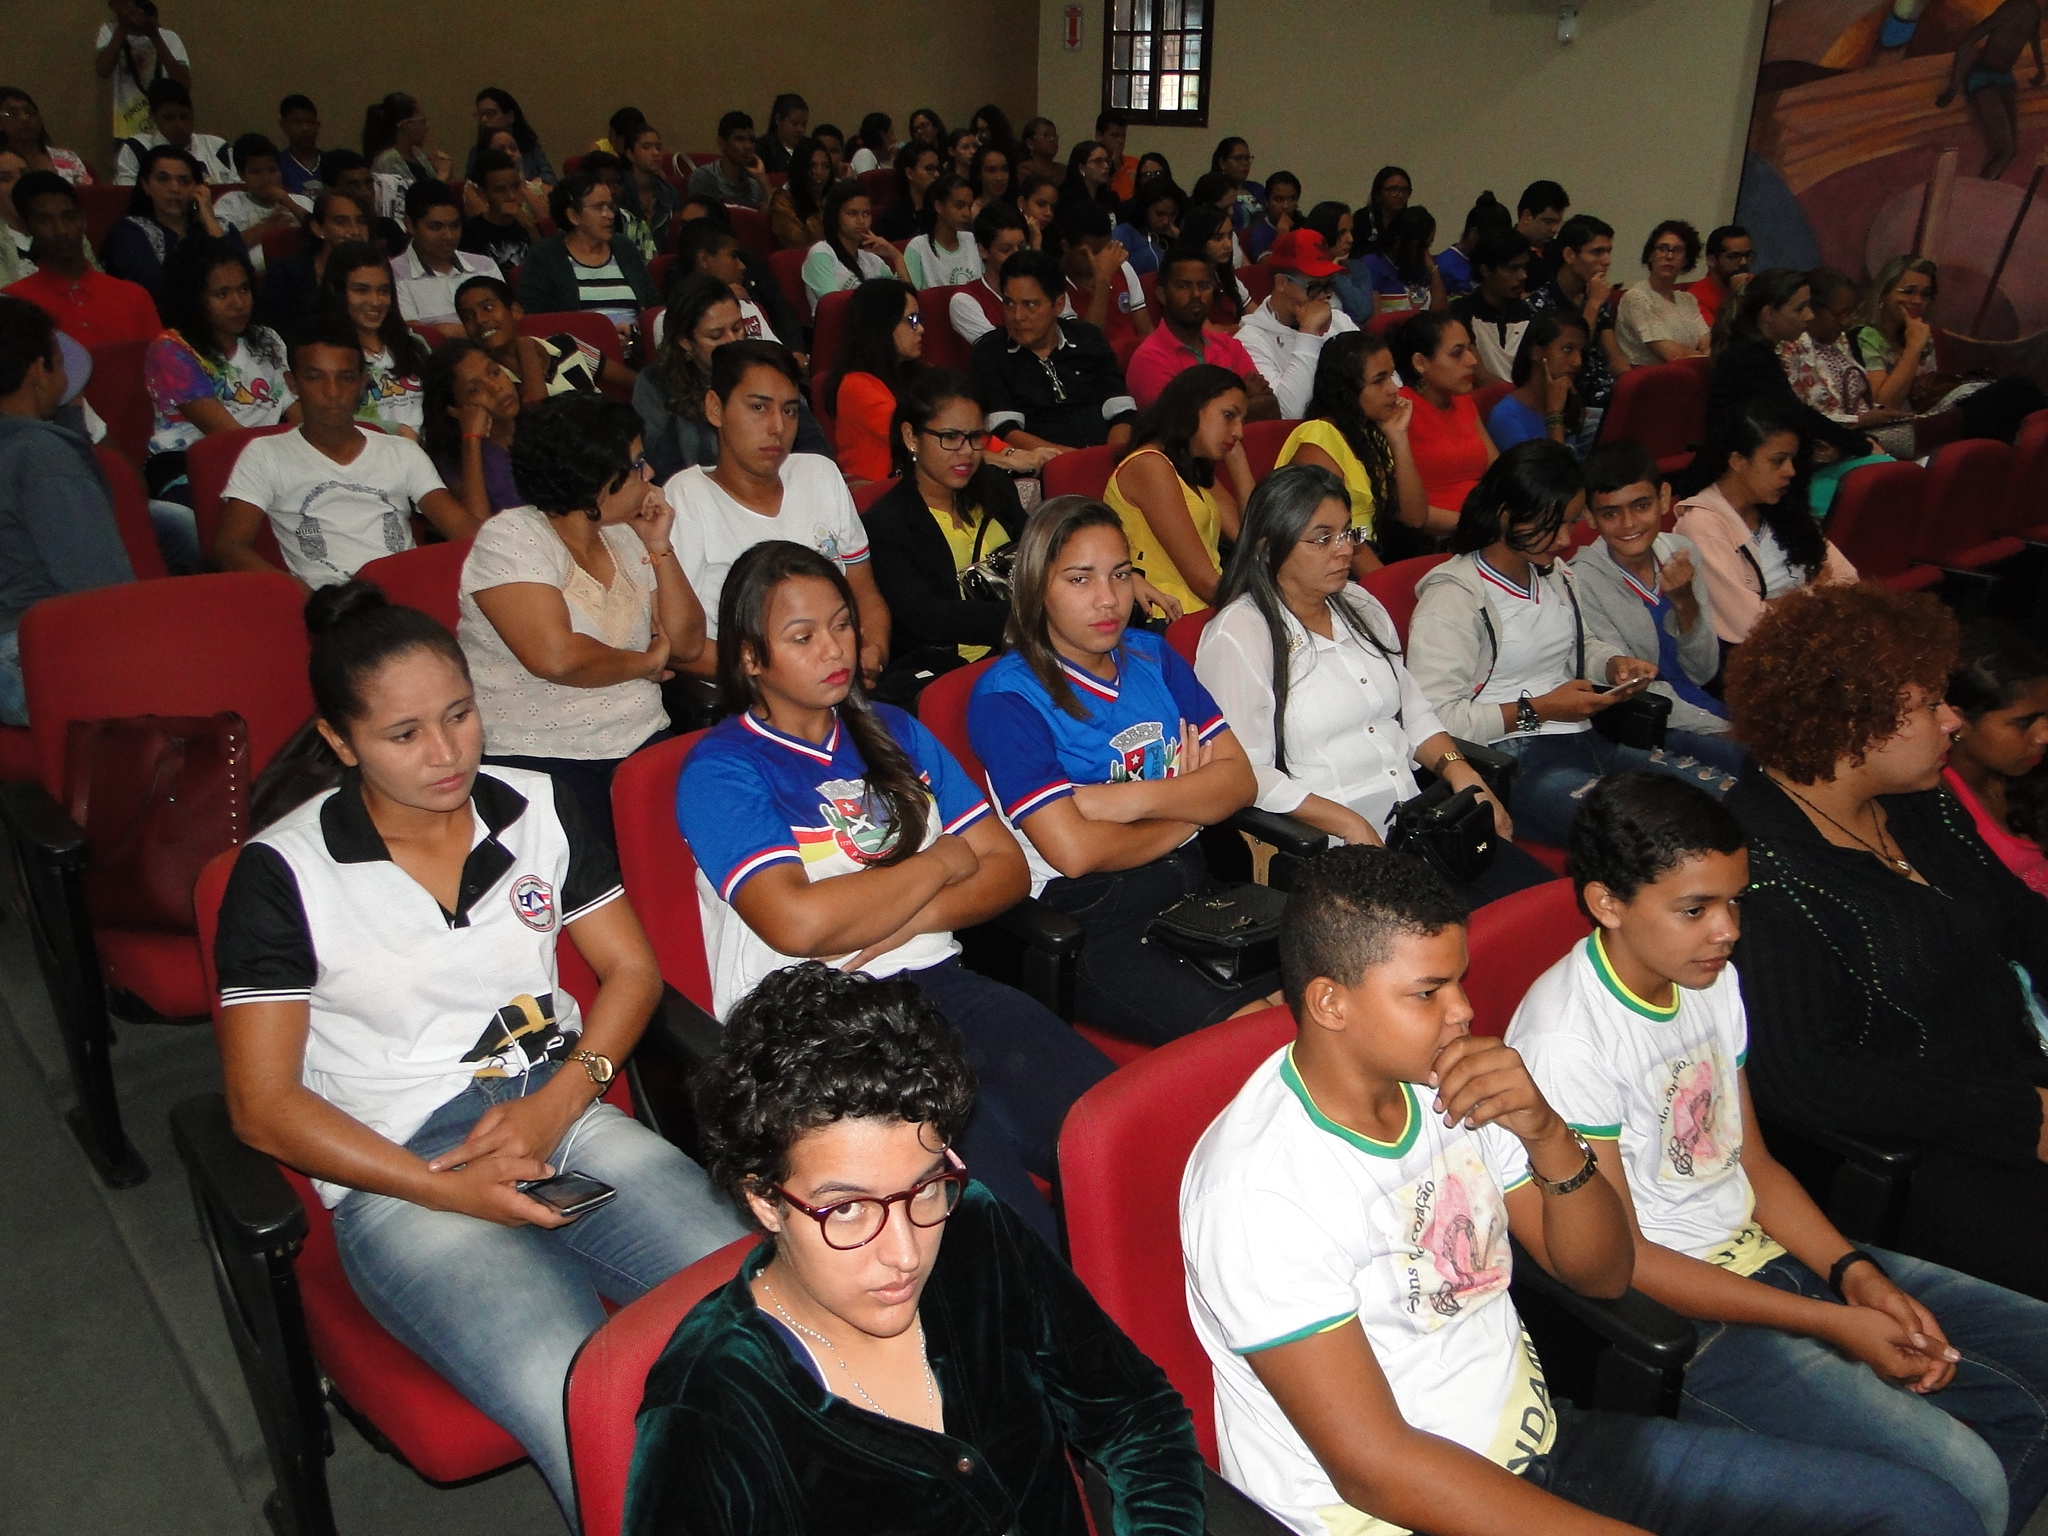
(1228, 1512)
(1043, 928)
(1644, 1330)
(1890, 1162)
(1497, 768)
(1289, 834)
(250, 1201)
(44, 828)
(679, 1039)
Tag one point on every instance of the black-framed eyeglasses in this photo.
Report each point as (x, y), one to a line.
(850, 1224)
(1353, 536)
(954, 441)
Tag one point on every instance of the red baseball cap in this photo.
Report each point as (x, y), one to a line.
(1301, 250)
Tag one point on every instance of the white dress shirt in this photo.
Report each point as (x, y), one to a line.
(1286, 357)
(1354, 715)
(427, 296)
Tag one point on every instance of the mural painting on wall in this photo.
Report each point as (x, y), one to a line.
(1886, 128)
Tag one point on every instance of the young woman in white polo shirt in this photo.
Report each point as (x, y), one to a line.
(1503, 654)
(392, 1024)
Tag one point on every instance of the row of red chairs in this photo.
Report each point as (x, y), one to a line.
(1977, 505)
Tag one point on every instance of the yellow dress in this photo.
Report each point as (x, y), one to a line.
(961, 542)
(1324, 435)
(1147, 554)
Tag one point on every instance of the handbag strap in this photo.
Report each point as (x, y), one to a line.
(980, 533)
(1763, 588)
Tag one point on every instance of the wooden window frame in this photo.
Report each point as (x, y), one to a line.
(1150, 42)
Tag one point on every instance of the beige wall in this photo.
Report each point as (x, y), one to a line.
(1643, 118)
(570, 64)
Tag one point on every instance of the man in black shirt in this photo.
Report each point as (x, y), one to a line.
(1048, 381)
(1586, 246)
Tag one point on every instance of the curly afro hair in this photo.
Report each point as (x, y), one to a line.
(1821, 678)
(812, 1045)
(571, 449)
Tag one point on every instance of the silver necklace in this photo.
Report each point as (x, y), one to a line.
(931, 1393)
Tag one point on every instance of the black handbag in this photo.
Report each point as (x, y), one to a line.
(1636, 722)
(1452, 831)
(1230, 934)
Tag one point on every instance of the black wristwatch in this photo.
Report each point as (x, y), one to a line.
(1853, 1256)
(1526, 718)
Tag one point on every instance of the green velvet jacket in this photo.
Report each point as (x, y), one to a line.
(736, 1436)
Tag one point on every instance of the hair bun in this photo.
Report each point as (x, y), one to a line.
(331, 607)
(1486, 200)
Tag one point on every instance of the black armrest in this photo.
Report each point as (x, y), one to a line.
(1891, 1162)
(679, 1039)
(1227, 1512)
(248, 1197)
(1289, 834)
(1040, 927)
(1497, 768)
(1646, 1331)
(41, 825)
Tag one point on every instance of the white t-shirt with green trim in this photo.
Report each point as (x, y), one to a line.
(1661, 1082)
(1293, 1225)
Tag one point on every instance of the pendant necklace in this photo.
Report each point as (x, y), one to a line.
(931, 1395)
(1893, 859)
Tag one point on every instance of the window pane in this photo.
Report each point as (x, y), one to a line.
(1121, 53)
(1141, 93)
(1170, 15)
(1191, 13)
(1169, 93)
(1191, 50)
(1119, 90)
(1191, 93)
(1169, 51)
(1141, 57)
(1121, 18)
(1142, 15)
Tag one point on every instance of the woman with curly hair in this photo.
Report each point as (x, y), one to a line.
(2000, 688)
(899, 1353)
(1890, 963)
(1357, 428)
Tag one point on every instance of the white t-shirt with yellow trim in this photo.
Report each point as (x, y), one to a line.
(1292, 1225)
(1661, 1082)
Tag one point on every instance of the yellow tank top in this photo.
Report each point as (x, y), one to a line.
(961, 542)
(1324, 435)
(1147, 553)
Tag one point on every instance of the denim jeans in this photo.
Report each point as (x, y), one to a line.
(1557, 771)
(1681, 1479)
(13, 697)
(1987, 1430)
(177, 536)
(500, 1311)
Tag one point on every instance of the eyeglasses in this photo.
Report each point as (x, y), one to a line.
(953, 442)
(638, 466)
(849, 1224)
(914, 321)
(1352, 536)
(1667, 250)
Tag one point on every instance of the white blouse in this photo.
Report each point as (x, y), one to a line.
(1354, 715)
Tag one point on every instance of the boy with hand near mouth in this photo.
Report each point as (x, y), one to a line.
(1640, 1036)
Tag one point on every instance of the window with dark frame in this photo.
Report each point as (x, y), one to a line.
(1156, 56)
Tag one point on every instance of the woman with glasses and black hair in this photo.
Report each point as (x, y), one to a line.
(899, 1354)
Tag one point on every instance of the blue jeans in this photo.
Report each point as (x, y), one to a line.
(1985, 1433)
(177, 536)
(1557, 771)
(13, 696)
(1690, 1480)
(501, 1311)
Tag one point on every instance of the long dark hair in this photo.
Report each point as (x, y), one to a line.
(408, 352)
(997, 121)
(1789, 518)
(1999, 662)
(743, 635)
(186, 275)
(1173, 419)
(1202, 223)
(1521, 500)
(676, 370)
(1376, 234)
(1029, 632)
(441, 433)
(841, 193)
(875, 132)
(1542, 331)
(1773, 288)
(803, 197)
(1221, 153)
(1275, 517)
(16, 93)
(522, 131)
(381, 120)
(868, 345)
(913, 150)
(1406, 242)
(927, 392)
(781, 107)
(1078, 157)
(1420, 335)
(935, 194)
(1340, 377)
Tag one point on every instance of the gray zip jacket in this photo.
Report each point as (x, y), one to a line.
(1454, 644)
(1617, 617)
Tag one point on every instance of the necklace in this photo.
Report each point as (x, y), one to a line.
(931, 1394)
(1890, 858)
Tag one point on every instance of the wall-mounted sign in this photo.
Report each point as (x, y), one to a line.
(1071, 39)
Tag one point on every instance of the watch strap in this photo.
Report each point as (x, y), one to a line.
(1853, 1256)
(1583, 1176)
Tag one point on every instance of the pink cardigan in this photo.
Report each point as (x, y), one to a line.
(1720, 536)
(2022, 856)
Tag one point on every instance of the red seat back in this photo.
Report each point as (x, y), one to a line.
(1876, 516)
(609, 1376)
(131, 514)
(1964, 501)
(865, 496)
(659, 871)
(1394, 586)
(658, 270)
(279, 243)
(104, 206)
(428, 578)
(752, 227)
(1263, 441)
(1386, 324)
(788, 267)
(584, 324)
(1085, 472)
(828, 331)
(208, 464)
(943, 346)
(2026, 481)
(117, 393)
(1663, 407)
(1487, 396)
(1122, 1151)
(1258, 282)
(1513, 941)
(879, 186)
(942, 709)
(1184, 634)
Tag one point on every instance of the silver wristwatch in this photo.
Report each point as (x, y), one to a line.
(1566, 1186)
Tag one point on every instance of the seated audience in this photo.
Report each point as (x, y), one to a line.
(1184, 338)
(745, 1418)
(737, 175)
(834, 140)
(991, 125)
(1206, 228)
(1751, 367)
(298, 120)
(795, 209)
(1164, 488)
(758, 488)
(709, 248)
(878, 355)
(647, 193)
(539, 365)
(1585, 249)
(1038, 199)
(506, 227)
(431, 268)
(574, 607)
(349, 1032)
(532, 203)
(1494, 311)
(992, 176)
(498, 110)
(1151, 216)
(168, 206)
(958, 152)
(1391, 189)
(1643, 595)
(1108, 756)
(211, 370)
(1729, 253)
(470, 412)
(1824, 370)
(615, 176)
(89, 306)
(349, 173)
(358, 287)
(1332, 220)
(1434, 352)
(15, 262)
(1112, 130)
(907, 851)
(1999, 689)
(1342, 1402)
(1357, 429)
(23, 132)
(1280, 213)
(262, 203)
(57, 529)
(290, 291)
(1500, 645)
(619, 127)
(851, 253)
(1657, 321)
(1887, 959)
(1399, 275)
(170, 115)
(1231, 160)
(943, 255)
(327, 527)
(1048, 381)
(1089, 172)
(917, 167)
(1539, 215)
(999, 234)
(588, 265)
(1454, 261)
(789, 124)
(1897, 345)
(1750, 526)
(1285, 334)
(1101, 285)
(1545, 400)
(927, 127)
(1040, 142)
(395, 142)
(1309, 673)
(878, 144)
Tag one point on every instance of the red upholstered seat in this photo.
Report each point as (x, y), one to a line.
(280, 243)
(131, 514)
(1394, 586)
(879, 186)
(117, 393)
(788, 267)
(610, 1374)
(1184, 634)
(1662, 406)
(943, 346)
(2026, 483)
(1875, 523)
(1487, 396)
(208, 464)
(1258, 282)
(828, 327)
(865, 496)
(659, 870)
(1964, 504)
(104, 205)
(18, 761)
(428, 578)
(1084, 472)
(1263, 441)
(752, 227)
(1518, 938)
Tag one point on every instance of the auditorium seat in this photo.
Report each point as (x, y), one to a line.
(1875, 523)
(1662, 406)
(119, 397)
(1084, 472)
(428, 578)
(209, 464)
(1263, 441)
(131, 514)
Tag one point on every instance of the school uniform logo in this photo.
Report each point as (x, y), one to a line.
(533, 899)
(1701, 1130)
(853, 823)
(1142, 752)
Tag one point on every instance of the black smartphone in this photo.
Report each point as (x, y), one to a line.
(569, 1194)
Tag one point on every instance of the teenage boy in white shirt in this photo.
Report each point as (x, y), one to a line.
(1639, 1036)
(1345, 1228)
(429, 270)
(262, 204)
(170, 115)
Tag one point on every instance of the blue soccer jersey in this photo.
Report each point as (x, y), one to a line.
(750, 796)
(1035, 752)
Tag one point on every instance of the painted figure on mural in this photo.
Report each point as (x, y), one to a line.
(1984, 72)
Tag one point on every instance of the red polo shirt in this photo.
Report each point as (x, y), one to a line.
(94, 309)
(1162, 355)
